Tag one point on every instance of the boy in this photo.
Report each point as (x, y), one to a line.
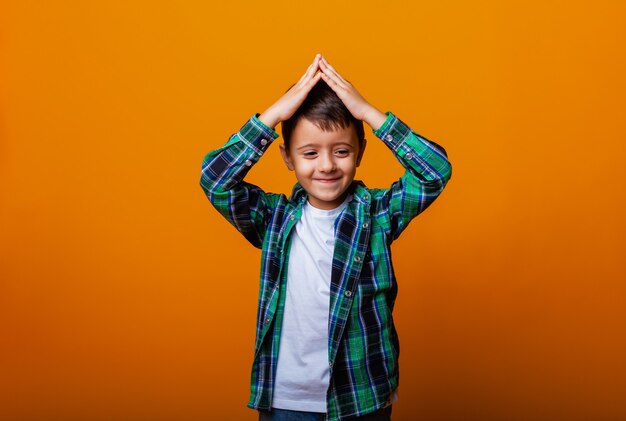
(326, 347)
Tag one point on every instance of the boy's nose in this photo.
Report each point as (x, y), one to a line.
(326, 163)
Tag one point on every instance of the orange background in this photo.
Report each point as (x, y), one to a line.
(124, 295)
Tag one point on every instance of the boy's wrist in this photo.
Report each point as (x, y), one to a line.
(380, 132)
(269, 119)
(374, 118)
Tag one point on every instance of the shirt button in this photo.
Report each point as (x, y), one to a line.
(357, 258)
(409, 156)
(389, 137)
(292, 217)
(267, 320)
(366, 197)
(348, 293)
(365, 225)
(248, 163)
(263, 142)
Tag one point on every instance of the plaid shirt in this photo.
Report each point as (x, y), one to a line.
(363, 345)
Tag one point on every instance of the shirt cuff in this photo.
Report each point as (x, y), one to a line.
(393, 131)
(256, 135)
(268, 129)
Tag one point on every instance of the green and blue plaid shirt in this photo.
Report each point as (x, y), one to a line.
(363, 345)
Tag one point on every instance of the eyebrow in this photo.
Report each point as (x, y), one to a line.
(308, 145)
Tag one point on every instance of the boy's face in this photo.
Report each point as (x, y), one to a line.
(325, 162)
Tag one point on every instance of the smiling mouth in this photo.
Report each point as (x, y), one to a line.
(327, 180)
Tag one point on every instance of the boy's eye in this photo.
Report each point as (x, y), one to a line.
(309, 154)
(342, 152)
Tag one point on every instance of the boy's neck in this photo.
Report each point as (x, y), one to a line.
(340, 205)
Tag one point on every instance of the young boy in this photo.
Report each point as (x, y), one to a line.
(326, 347)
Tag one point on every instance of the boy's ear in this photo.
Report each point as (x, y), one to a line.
(285, 154)
(361, 150)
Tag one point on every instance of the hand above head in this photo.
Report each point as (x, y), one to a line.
(287, 105)
(352, 99)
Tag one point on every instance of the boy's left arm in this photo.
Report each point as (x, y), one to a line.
(427, 168)
(427, 172)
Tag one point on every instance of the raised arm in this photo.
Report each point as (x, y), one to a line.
(427, 168)
(245, 205)
(427, 171)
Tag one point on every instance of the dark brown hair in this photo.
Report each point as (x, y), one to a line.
(325, 109)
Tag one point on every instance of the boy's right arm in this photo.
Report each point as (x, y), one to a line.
(243, 204)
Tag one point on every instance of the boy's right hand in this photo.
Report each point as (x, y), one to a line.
(287, 105)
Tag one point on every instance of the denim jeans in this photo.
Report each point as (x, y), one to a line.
(287, 415)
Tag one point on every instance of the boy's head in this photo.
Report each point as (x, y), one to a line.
(323, 144)
(325, 109)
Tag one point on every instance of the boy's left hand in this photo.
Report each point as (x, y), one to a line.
(354, 102)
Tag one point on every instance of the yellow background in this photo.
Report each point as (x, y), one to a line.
(124, 295)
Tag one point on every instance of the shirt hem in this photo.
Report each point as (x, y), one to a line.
(319, 407)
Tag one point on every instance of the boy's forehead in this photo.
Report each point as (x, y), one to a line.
(307, 131)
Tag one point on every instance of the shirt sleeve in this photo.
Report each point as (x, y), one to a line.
(246, 206)
(427, 171)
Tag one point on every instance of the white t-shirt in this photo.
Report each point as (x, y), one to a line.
(302, 371)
